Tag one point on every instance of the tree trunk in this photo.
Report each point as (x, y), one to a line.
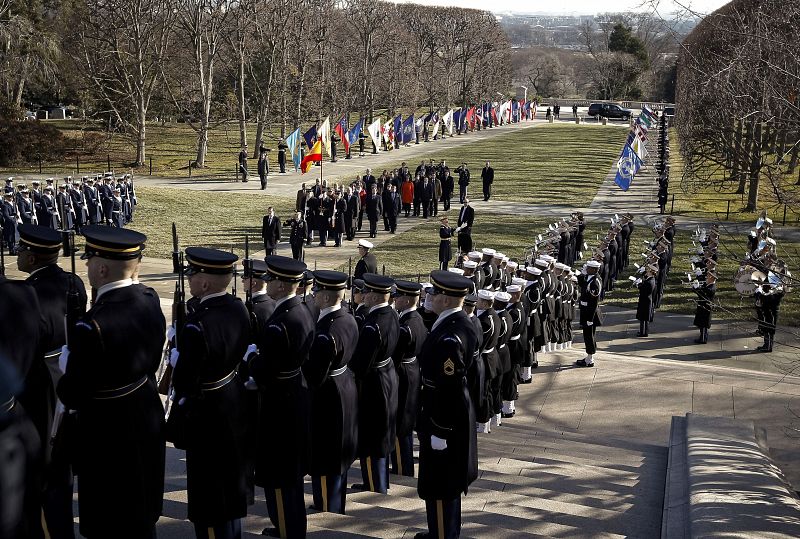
(240, 99)
(755, 171)
(141, 127)
(744, 151)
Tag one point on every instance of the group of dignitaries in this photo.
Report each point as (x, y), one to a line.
(338, 212)
(70, 205)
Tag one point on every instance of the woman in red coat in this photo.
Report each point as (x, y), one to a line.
(407, 195)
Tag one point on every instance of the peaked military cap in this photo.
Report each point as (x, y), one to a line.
(378, 283)
(112, 243)
(211, 261)
(407, 288)
(39, 239)
(257, 267)
(330, 280)
(308, 278)
(283, 268)
(358, 285)
(450, 284)
(471, 299)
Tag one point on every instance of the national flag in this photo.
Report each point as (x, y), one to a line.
(325, 134)
(293, 142)
(448, 122)
(341, 131)
(388, 132)
(527, 110)
(310, 136)
(436, 121)
(354, 133)
(649, 113)
(457, 114)
(494, 116)
(408, 130)
(314, 156)
(627, 167)
(374, 130)
(479, 115)
(470, 117)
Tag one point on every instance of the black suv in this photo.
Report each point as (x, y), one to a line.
(609, 110)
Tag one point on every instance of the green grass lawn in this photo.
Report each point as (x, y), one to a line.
(546, 164)
(217, 220)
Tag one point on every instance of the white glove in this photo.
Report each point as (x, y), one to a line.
(695, 284)
(173, 357)
(589, 324)
(251, 384)
(63, 358)
(170, 332)
(438, 444)
(251, 349)
(698, 272)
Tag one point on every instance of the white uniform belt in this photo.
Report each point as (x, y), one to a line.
(337, 372)
(409, 360)
(53, 353)
(107, 394)
(8, 405)
(515, 338)
(383, 363)
(584, 303)
(285, 375)
(501, 346)
(489, 350)
(219, 384)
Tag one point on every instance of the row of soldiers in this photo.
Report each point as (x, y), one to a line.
(662, 164)
(651, 276)
(703, 277)
(68, 206)
(263, 392)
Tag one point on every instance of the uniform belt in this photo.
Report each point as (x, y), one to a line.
(489, 350)
(515, 338)
(501, 346)
(337, 372)
(219, 384)
(8, 405)
(286, 375)
(52, 353)
(383, 363)
(107, 394)
(428, 383)
(584, 303)
(409, 360)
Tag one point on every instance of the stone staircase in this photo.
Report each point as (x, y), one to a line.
(532, 483)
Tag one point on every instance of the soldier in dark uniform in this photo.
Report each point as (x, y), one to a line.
(367, 263)
(476, 375)
(21, 460)
(93, 202)
(517, 343)
(25, 209)
(448, 460)
(445, 250)
(501, 300)
(490, 326)
(263, 167)
(532, 299)
(49, 210)
(377, 380)
(358, 307)
(409, 345)
(282, 147)
(644, 307)
(705, 305)
(591, 291)
(425, 310)
(119, 417)
(8, 214)
(339, 218)
(769, 296)
(78, 204)
(283, 425)
(243, 164)
(334, 397)
(210, 346)
(38, 256)
(297, 235)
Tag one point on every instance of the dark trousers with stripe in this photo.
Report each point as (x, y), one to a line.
(375, 473)
(286, 509)
(444, 518)
(231, 529)
(329, 492)
(403, 455)
(589, 339)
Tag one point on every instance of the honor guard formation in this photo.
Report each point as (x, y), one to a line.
(311, 372)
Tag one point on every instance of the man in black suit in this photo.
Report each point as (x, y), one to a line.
(271, 232)
(353, 209)
(487, 175)
(426, 197)
(368, 180)
(465, 218)
(374, 208)
(393, 209)
(388, 207)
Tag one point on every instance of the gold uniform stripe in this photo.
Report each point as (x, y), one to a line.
(44, 526)
(281, 516)
(211, 534)
(440, 519)
(111, 250)
(324, 486)
(206, 265)
(42, 245)
(369, 474)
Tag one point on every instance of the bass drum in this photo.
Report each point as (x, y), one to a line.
(747, 279)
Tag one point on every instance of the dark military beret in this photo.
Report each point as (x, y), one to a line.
(283, 268)
(330, 280)
(39, 239)
(112, 243)
(450, 284)
(378, 283)
(211, 261)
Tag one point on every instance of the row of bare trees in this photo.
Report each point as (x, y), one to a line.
(738, 116)
(275, 63)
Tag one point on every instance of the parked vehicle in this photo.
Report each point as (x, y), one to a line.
(609, 110)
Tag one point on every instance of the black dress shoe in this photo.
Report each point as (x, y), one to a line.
(528, 381)
(270, 532)
(422, 535)
(700, 341)
(359, 486)
(582, 363)
(640, 334)
(535, 365)
(505, 415)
